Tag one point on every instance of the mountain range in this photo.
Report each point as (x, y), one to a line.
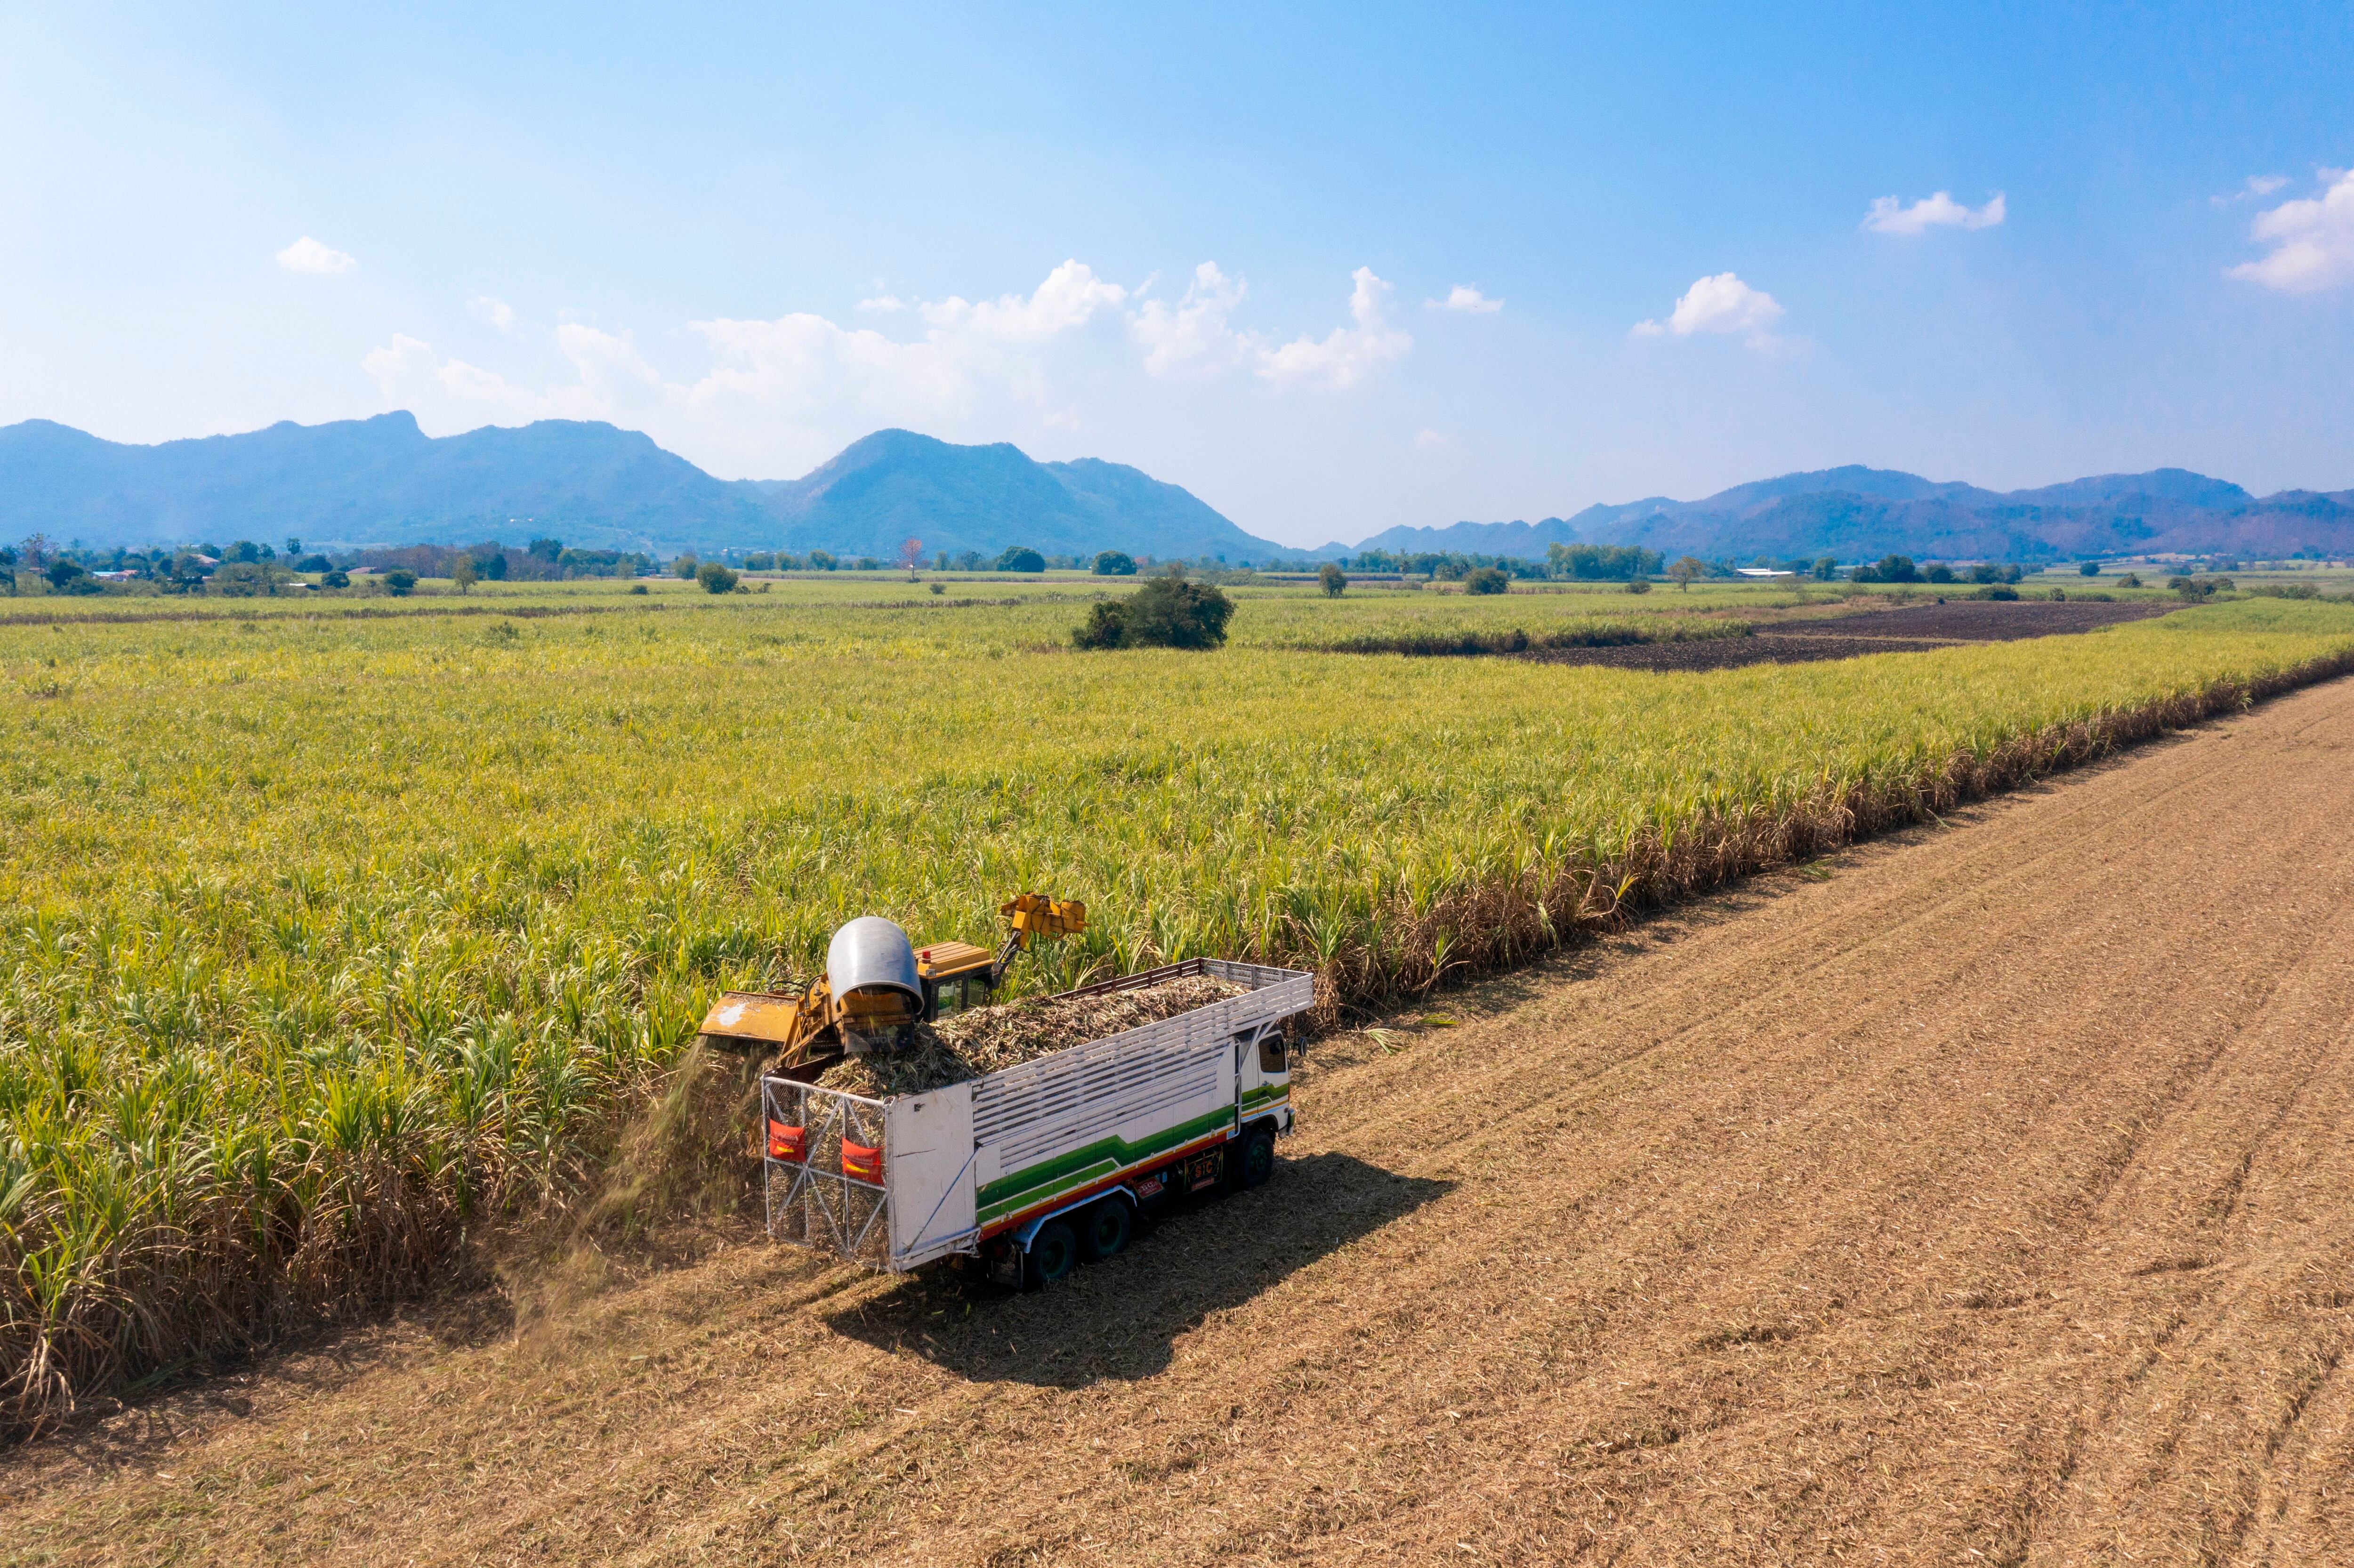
(1856, 513)
(384, 481)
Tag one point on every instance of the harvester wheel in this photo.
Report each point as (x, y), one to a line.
(1103, 1229)
(1255, 1165)
(1053, 1252)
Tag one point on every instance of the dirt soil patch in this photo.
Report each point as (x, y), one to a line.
(1901, 628)
(1983, 1194)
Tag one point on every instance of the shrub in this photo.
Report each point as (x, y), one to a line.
(2000, 590)
(684, 568)
(335, 579)
(2131, 579)
(1020, 559)
(1115, 564)
(1333, 580)
(939, 587)
(1639, 585)
(399, 582)
(1939, 572)
(637, 587)
(2089, 569)
(1486, 579)
(1167, 612)
(715, 577)
(867, 564)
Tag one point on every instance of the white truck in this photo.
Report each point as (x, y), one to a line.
(1037, 1167)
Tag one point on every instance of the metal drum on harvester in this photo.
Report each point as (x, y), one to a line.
(870, 966)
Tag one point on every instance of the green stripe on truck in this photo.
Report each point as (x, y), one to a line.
(1265, 1093)
(1036, 1183)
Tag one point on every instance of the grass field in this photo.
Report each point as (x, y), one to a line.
(323, 940)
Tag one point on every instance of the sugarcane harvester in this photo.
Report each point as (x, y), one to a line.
(1033, 1167)
(875, 986)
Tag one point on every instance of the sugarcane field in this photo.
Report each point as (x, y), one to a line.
(933, 786)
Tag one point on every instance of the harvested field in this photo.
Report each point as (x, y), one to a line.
(1980, 1195)
(1901, 628)
(985, 1039)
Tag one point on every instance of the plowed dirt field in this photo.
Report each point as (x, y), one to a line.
(1985, 1196)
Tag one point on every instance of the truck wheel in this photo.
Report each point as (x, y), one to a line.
(1053, 1252)
(1256, 1160)
(1103, 1230)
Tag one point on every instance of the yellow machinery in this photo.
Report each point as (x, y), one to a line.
(876, 986)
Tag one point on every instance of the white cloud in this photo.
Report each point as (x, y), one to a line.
(1197, 337)
(2312, 240)
(885, 303)
(307, 255)
(789, 390)
(1070, 297)
(498, 313)
(1464, 297)
(1722, 303)
(1345, 356)
(1433, 441)
(1192, 337)
(1939, 211)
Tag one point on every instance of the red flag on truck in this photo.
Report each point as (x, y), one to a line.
(788, 1142)
(861, 1163)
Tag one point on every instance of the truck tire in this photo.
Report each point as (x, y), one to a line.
(1053, 1252)
(1255, 1158)
(1104, 1230)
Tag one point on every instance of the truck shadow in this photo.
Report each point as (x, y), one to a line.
(1119, 1320)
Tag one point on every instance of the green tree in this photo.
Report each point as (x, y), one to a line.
(1639, 585)
(820, 561)
(399, 582)
(1020, 559)
(464, 575)
(1114, 564)
(1486, 579)
(1333, 580)
(684, 568)
(2089, 569)
(1683, 570)
(1166, 612)
(715, 577)
(1827, 569)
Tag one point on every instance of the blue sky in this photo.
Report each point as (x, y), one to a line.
(1334, 268)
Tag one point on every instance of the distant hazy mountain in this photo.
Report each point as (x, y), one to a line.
(897, 485)
(364, 482)
(1859, 513)
(385, 481)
